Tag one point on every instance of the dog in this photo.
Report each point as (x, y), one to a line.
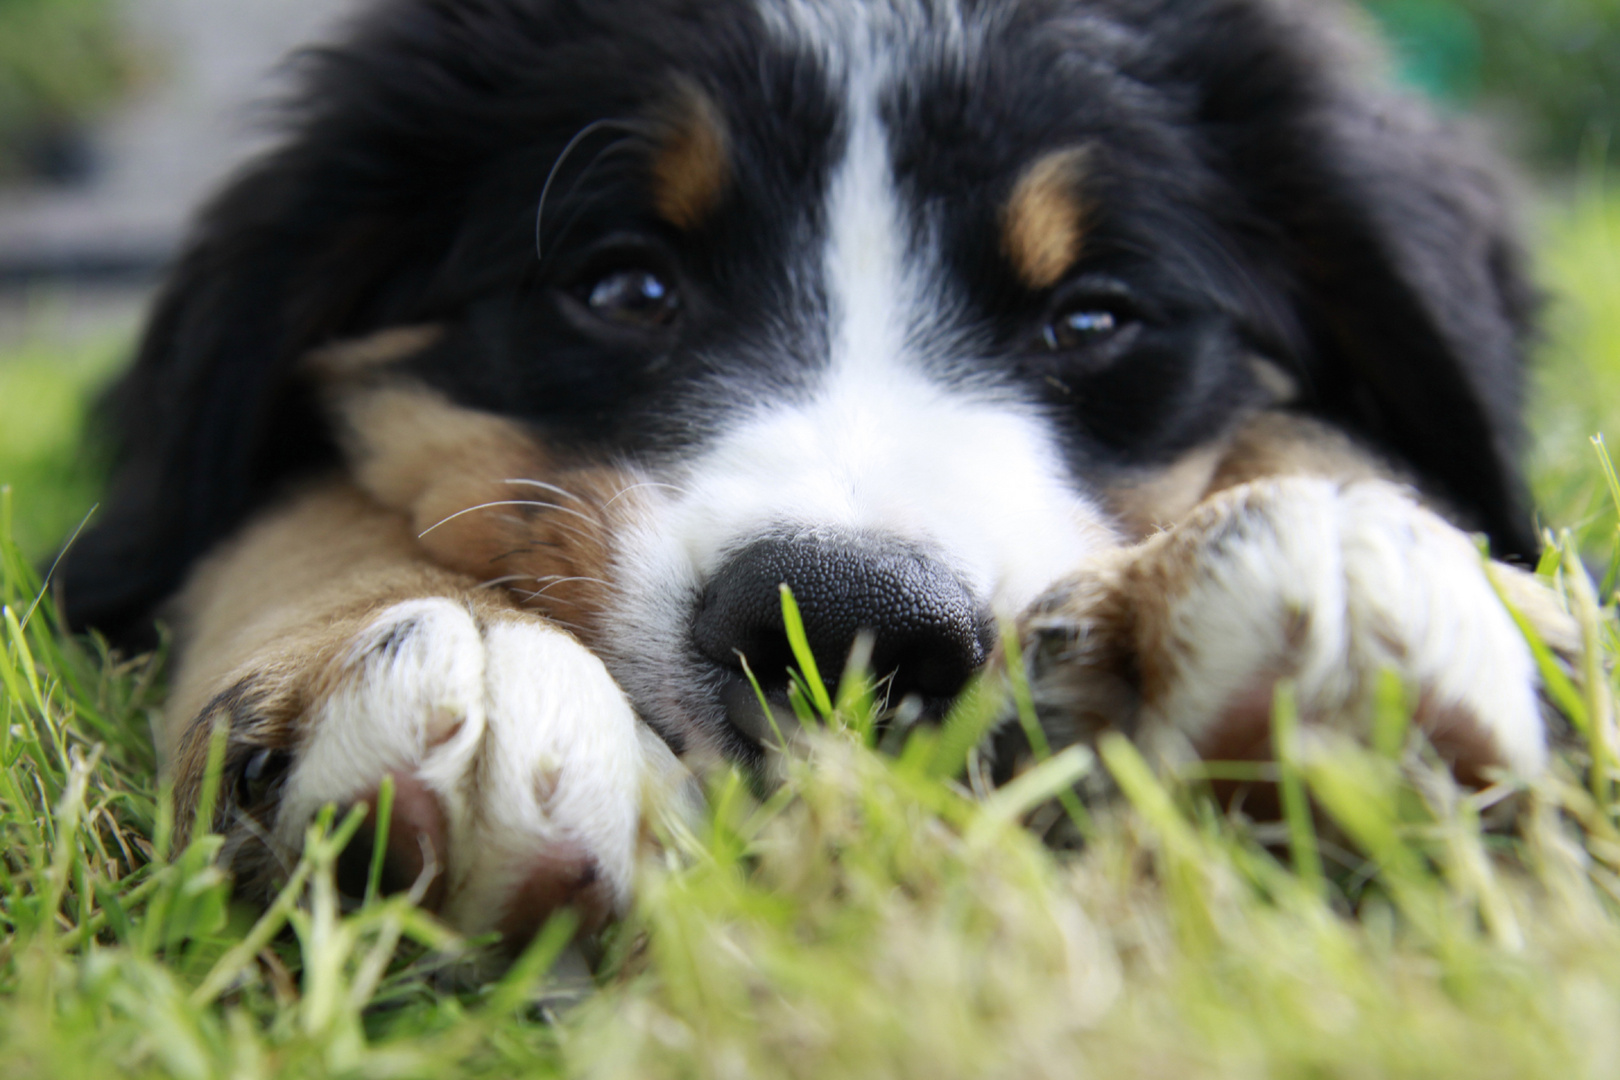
(479, 424)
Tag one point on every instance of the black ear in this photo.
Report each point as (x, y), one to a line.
(336, 232)
(1392, 237)
(192, 421)
(1418, 309)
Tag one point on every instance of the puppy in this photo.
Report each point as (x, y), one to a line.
(477, 426)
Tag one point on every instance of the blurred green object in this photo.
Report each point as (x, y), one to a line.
(1437, 43)
(1577, 378)
(48, 455)
(60, 62)
(1551, 67)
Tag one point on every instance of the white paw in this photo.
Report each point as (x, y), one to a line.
(1322, 583)
(519, 766)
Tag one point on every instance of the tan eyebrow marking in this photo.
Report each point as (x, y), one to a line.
(1044, 224)
(355, 357)
(691, 166)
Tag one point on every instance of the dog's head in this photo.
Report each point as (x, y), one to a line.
(643, 307)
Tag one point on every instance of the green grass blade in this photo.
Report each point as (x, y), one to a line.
(1024, 700)
(1285, 742)
(382, 817)
(539, 957)
(1606, 466)
(1049, 780)
(230, 966)
(972, 717)
(1392, 714)
(1554, 680)
(1598, 698)
(799, 642)
(202, 822)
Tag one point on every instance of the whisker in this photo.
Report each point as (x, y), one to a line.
(508, 579)
(531, 597)
(564, 510)
(543, 486)
(559, 577)
(554, 582)
(590, 536)
(556, 166)
(643, 484)
(506, 502)
(469, 510)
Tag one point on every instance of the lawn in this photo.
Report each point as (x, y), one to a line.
(870, 919)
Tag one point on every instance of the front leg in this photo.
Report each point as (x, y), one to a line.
(336, 655)
(1181, 640)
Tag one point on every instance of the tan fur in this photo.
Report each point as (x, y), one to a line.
(266, 614)
(1274, 444)
(691, 166)
(1269, 444)
(326, 631)
(1288, 444)
(349, 359)
(264, 618)
(470, 485)
(296, 583)
(1163, 497)
(1106, 646)
(1043, 226)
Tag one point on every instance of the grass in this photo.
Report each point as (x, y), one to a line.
(881, 914)
(45, 389)
(1578, 384)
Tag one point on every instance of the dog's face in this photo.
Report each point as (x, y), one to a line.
(640, 308)
(910, 308)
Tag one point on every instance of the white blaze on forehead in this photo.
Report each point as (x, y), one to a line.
(882, 442)
(841, 29)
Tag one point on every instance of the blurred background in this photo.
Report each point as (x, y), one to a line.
(118, 116)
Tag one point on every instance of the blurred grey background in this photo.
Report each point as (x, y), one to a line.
(117, 117)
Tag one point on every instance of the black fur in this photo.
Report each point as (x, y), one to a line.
(1252, 198)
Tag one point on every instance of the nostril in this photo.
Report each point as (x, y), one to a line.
(928, 634)
(934, 674)
(766, 650)
(415, 846)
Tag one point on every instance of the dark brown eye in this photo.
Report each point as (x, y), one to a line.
(1082, 326)
(639, 299)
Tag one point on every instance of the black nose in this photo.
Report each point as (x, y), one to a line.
(928, 635)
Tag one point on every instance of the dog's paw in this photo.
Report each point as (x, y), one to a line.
(521, 775)
(1181, 641)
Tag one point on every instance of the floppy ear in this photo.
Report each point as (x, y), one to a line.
(341, 231)
(1392, 237)
(189, 419)
(1418, 311)
(210, 421)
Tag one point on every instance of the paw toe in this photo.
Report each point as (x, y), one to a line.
(562, 876)
(415, 850)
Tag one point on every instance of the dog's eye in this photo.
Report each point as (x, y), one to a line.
(1082, 325)
(634, 298)
(260, 775)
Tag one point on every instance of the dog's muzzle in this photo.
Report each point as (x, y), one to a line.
(928, 635)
